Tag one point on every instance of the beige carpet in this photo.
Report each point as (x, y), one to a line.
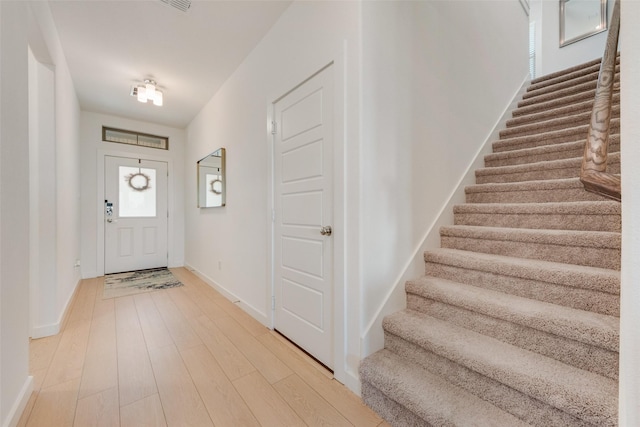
(516, 321)
(137, 282)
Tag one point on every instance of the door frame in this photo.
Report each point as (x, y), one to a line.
(339, 204)
(100, 195)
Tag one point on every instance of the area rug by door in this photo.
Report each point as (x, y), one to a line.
(136, 282)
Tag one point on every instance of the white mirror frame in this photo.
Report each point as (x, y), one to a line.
(601, 26)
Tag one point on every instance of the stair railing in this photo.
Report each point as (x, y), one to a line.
(593, 173)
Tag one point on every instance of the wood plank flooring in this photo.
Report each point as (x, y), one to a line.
(178, 357)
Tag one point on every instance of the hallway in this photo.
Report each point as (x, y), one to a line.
(181, 356)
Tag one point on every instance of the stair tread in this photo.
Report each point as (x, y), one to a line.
(566, 100)
(565, 146)
(575, 238)
(570, 72)
(570, 82)
(444, 404)
(579, 106)
(535, 166)
(548, 96)
(549, 113)
(566, 208)
(505, 143)
(556, 123)
(589, 396)
(590, 328)
(554, 184)
(545, 94)
(572, 120)
(589, 248)
(592, 278)
(567, 71)
(580, 130)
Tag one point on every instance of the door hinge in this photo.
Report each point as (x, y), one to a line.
(274, 127)
(273, 215)
(273, 302)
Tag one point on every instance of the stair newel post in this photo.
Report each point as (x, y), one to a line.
(593, 173)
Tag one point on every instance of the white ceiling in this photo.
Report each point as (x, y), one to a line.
(112, 45)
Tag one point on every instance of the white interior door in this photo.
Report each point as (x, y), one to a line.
(135, 214)
(303, 183)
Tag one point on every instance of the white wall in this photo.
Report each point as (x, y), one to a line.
(42, 168)
(58, 179)
(15, 384)
(630, 158)
(426, 68)
(550, 57)
(308, 36)
(437, 77)
(93, 150)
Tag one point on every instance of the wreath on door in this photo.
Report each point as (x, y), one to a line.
(216, 186)
(139, 181)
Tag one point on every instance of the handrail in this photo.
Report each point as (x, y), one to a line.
(593, 173)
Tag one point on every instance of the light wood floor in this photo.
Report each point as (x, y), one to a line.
(178, 357)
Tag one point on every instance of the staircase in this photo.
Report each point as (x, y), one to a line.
(516, 321)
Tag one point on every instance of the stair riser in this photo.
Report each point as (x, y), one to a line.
(569, 254)
(560, 123)
(568, 296)
(569, 171)
(562, 102)
(520, 119)
(584, 87)
(571, 352)
(580, 88)
(577, 80)
(557, 113)
(576, 326)
(549, 81)
(534, 196)
(570, 151)
(578, 133)
(391, 411)
(568, 74)
(583, 222)
(506, 398)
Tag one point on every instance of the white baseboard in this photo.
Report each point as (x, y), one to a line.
(14, 414)
(89, 274)
(352, 382)
(248, 308)
(41, 331)
(45, 330)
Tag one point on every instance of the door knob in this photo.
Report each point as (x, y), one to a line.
(326, 230)
(111, 220)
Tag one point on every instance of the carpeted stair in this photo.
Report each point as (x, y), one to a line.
(516, 320)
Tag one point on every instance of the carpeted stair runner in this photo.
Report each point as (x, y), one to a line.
(516, 320)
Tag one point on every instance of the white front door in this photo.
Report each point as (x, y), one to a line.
(303, 183)
(135, 214)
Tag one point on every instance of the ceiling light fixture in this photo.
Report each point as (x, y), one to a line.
(148, 92)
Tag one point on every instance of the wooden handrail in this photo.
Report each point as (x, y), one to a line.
(593, 173)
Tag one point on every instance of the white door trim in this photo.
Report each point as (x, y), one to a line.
(100, 195)
(339, 205)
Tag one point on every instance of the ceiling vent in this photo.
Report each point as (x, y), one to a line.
(182, 5)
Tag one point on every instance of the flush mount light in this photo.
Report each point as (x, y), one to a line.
(148, 92)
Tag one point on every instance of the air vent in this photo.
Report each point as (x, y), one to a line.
(182, 5)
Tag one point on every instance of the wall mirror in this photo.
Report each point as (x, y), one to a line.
(211, 180)
(580, 19)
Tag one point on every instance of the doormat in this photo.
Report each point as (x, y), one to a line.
(137, 282)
